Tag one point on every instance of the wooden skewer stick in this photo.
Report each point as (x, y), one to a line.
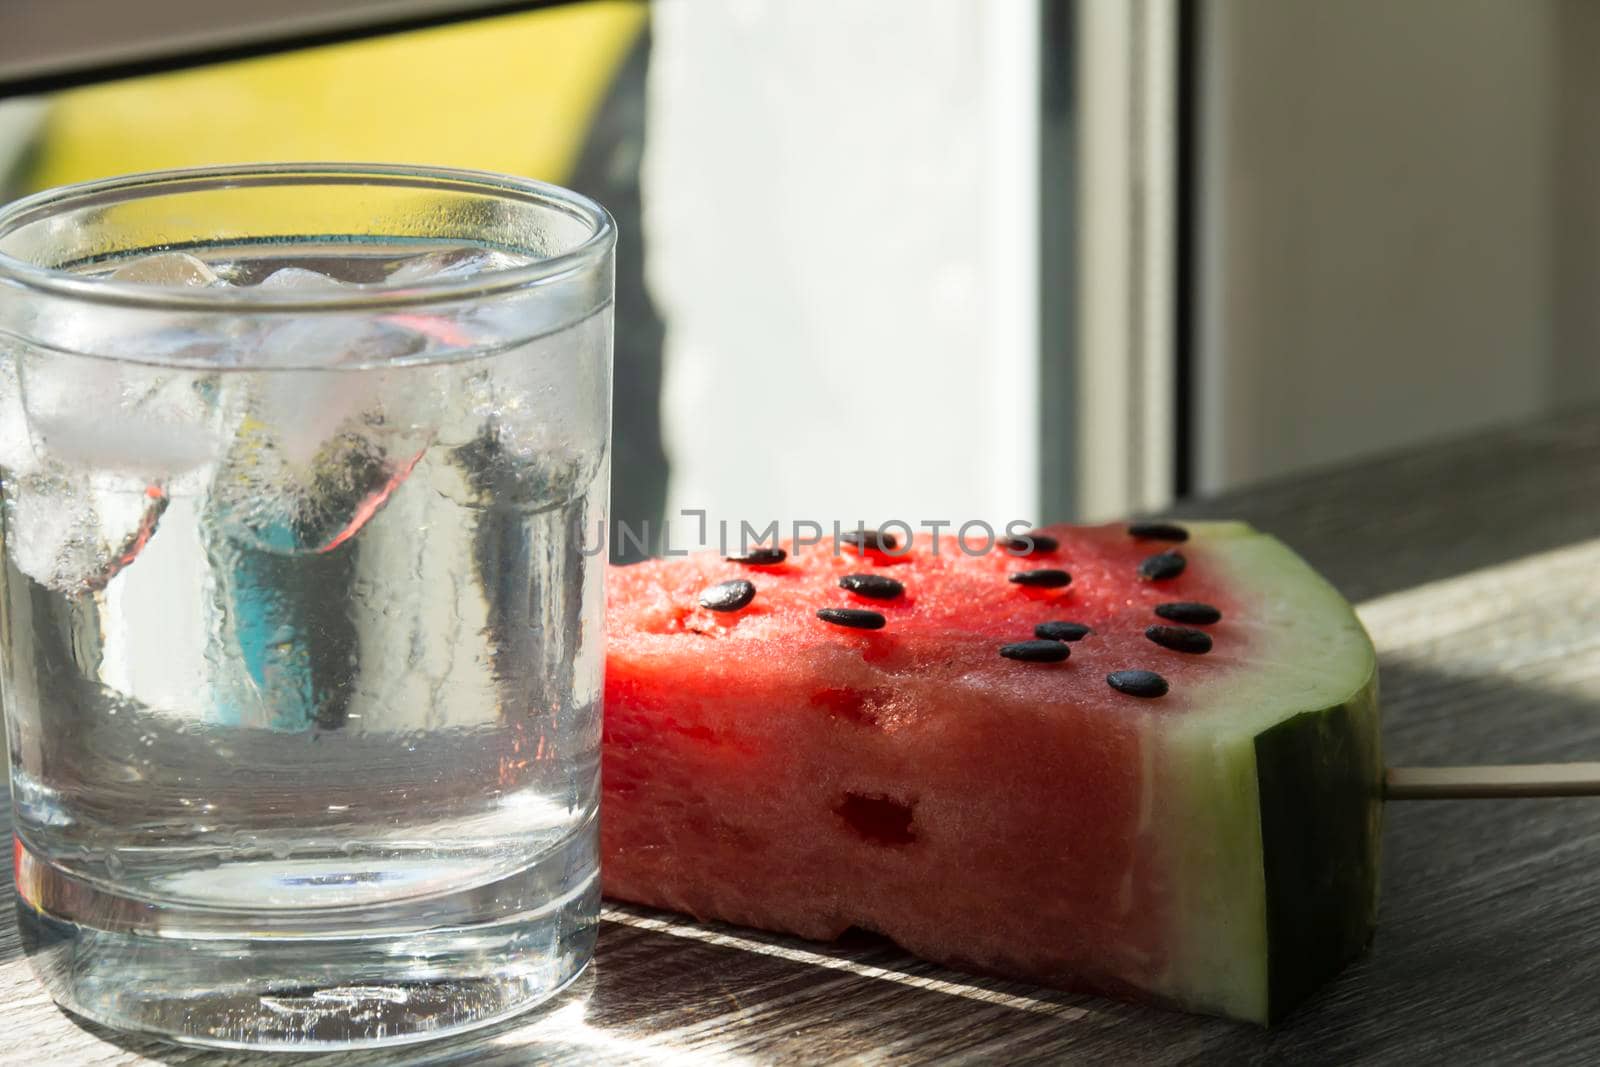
(1492, 782)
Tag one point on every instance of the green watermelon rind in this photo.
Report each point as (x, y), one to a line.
(1321, 812)
(1271, 807)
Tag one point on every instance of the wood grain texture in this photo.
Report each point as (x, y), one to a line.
(1479, 567)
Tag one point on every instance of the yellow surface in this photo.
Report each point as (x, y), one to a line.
(513, 94)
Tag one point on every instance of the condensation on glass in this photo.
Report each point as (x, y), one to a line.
(304, 470)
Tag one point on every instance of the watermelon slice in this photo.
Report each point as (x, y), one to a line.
(1203, 834)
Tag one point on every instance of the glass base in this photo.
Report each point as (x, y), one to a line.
(317, 981)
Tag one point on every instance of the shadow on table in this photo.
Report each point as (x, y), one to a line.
(1401, 520)
(1488, 946)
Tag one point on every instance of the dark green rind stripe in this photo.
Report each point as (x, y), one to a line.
(1319, 776)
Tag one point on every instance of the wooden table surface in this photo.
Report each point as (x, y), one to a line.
(1477, 569)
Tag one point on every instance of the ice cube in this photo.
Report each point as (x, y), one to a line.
(519, 417)
(316, 456)
(303, 409)
(338, 341)
(71, 537)
(454, 263)
(299, 278)
(118, 422)
(300, 408)
(332, 338)
(178, 269)
(263, 499)
(328, 431)
(124, 421)
(16, 447)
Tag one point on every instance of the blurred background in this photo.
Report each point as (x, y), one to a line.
(948, 259)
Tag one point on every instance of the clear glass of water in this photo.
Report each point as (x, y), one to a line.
(304, 473)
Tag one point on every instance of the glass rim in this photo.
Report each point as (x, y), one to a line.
(35, 207)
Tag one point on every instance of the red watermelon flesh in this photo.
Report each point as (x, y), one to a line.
(767, 768)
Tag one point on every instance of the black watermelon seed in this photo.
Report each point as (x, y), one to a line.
(1190, 612)
(876, 586)
(1029, 544)
(761, 557)
(1049, 578)
(1061, 631)
(1161, 566)
(727, 596)
(869, 540)
(855, 618)
(1180, 638)
(1036, 651)
(1157, 531)
(1138, 683)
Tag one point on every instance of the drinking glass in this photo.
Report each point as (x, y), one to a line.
(303, 472)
